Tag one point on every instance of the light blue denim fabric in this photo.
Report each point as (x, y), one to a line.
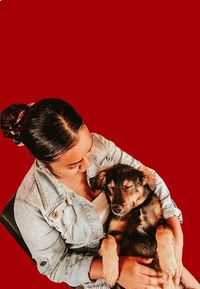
(62, 229)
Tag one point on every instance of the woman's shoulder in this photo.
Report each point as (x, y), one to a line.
(99, 149)
(28, 190)
(27, 183)
(36, 190)
(100, 140)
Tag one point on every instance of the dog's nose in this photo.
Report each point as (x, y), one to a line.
(116, 209)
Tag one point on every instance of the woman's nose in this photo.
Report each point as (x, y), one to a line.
(84, 164)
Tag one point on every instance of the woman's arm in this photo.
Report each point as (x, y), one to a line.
(132, 274)
(49, 249)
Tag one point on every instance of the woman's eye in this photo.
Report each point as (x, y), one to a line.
(72, 168)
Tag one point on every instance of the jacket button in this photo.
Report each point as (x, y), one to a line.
(43, 263)
(108, 158)
(54, 215)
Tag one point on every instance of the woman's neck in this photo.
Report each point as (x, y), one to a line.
(79, 185)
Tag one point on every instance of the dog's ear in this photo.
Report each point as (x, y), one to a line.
(149, 176)
(98, 182)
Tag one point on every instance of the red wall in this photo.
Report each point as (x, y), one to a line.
(131, 71)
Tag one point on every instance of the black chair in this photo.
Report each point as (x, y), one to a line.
(8, 221)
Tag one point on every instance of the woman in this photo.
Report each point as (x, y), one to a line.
(60, 218)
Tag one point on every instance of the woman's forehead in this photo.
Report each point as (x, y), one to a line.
(79, 150)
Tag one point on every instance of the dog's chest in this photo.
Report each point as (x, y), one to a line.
(147, 216)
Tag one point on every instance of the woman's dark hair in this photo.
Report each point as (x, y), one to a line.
(48, 127)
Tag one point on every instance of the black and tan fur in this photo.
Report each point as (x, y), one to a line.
(136, 227)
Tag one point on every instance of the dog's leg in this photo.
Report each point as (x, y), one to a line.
(166, 254)
(110, 260)
(167, 281)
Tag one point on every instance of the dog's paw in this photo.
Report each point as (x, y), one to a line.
(169, 266)
(167, 281)
(167, 263)
(165, 250)
(110, 260)
(111, 269)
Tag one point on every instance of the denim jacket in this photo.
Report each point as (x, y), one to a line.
(61, 228)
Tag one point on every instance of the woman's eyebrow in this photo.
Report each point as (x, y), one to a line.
(72, 164)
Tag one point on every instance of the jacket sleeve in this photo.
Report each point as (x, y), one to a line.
(49, 249)
(116, 155)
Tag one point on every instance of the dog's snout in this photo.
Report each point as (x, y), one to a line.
(116, 209)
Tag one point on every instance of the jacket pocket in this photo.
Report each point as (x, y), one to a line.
(63, 218)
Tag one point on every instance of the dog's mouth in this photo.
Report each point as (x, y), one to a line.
(119, 214)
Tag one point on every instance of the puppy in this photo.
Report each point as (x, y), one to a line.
(136, 225)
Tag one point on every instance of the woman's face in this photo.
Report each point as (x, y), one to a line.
(75, 160)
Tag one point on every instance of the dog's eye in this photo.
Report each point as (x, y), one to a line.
(128, 187)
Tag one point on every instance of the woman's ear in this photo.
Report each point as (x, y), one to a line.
(98, 182)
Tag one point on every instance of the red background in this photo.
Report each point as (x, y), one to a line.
(131, 70)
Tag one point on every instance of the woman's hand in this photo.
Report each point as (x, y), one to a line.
(134, 275)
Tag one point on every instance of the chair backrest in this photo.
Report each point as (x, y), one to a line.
(8, 220)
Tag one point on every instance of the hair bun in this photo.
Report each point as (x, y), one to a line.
(11, 121)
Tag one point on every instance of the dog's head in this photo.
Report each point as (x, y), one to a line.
(125, 187)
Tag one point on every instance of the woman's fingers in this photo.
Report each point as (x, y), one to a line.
(149, 271)
(151, 281)
(155, 282)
